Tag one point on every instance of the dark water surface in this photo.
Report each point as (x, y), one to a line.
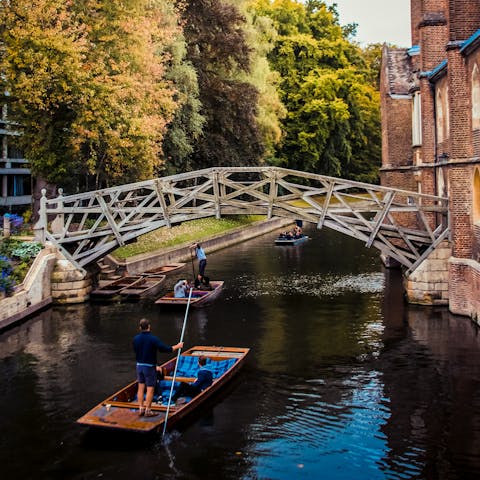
(343, 380)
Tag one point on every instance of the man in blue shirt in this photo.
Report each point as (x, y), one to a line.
(204, 380)
(202, 258)
(145, 346)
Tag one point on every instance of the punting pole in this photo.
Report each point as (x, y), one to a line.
(176, 364)
(193, 266)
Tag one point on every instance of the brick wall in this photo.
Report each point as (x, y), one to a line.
(396, 132)
(402, 179)
(460, 179)
(427, 150)
(415, 19)
(464, 288)
(459, 106)
(464, 16)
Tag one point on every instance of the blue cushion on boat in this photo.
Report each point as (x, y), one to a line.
(188, 366)
(218, 368)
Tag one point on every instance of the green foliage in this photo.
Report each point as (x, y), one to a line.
(333, 122)
(88, 85)
(27, 250)
(215, 31)
(187, 232)
(111, 92)
(16, 258)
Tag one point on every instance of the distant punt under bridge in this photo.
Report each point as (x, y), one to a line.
(403, 225)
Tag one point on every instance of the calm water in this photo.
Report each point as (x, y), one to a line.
(343, 380)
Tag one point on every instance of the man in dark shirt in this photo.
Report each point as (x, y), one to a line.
(204, 380)
(145, 346)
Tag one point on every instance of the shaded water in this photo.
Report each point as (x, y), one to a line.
(343, 380)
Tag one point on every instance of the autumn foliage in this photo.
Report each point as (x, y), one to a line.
(105, 92)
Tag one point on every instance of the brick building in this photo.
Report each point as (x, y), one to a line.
(430, 103)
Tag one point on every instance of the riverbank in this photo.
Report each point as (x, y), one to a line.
(35, 293)
(180, 253)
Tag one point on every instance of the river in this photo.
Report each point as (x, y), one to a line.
(343, 380)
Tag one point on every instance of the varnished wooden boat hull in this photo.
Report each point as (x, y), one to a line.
(146, 287)
(199, 297)
(120, 412)
(164, 269)
(114, 288)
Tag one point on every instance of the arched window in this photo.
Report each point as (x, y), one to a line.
(440, 115)
(476, 98)
(446, 109)
(476, 196)
(416, 120)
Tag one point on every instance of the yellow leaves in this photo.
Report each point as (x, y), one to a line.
(93, 73)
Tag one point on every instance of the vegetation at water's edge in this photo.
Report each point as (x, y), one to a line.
(192, 231)
(16, 257)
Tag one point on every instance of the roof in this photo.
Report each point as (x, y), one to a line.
(399, 71)
(471, 43)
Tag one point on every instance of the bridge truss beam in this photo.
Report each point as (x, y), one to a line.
(404, 225)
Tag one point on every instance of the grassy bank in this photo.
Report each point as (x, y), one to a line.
(186, 232)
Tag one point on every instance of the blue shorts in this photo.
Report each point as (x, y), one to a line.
(146, 375)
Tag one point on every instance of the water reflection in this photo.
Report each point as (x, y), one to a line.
(344, 380)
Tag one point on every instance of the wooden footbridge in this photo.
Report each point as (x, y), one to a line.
(403, 225)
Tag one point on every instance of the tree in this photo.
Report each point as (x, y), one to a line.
(88, 86)
(332, 125)
(218, 49)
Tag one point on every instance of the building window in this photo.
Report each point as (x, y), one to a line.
(441, 107)
(476, 98)
(439, 112)
(417, 120)
(476, 196)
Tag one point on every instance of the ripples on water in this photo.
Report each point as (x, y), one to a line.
(309, 285)
(330, 429)
(342, 381)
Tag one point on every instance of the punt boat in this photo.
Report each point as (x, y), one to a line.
(114, 288)
(147, 286)
(164, 269)
(120, 410)
(291, 241)
(199, 298)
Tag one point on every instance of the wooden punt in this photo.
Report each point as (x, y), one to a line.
(164, 269)
(114, 288)
(120, 410)
(199, 297)
(291, 241)
(147, 286)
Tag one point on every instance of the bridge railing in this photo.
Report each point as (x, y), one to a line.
(403, 225)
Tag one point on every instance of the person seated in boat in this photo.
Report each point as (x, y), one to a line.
(180, 290)
(297, 232)
(204, 380)
(202, 283)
